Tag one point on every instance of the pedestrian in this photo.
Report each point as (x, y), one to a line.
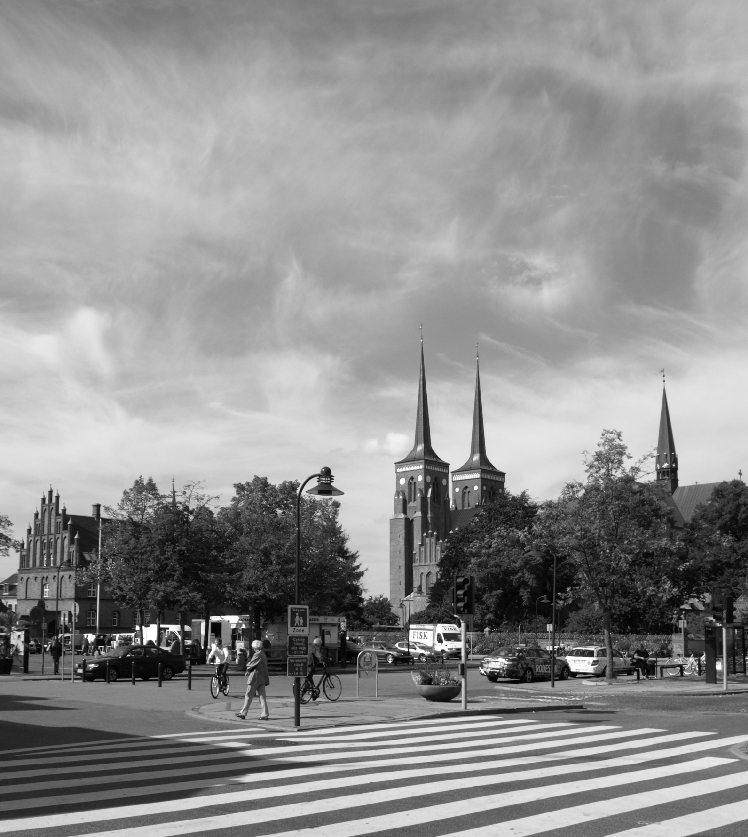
(56, 652)
(257, 679)
(639, 659)
(84, 647)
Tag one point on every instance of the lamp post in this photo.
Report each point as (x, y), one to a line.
(324, 488)
(553, 627)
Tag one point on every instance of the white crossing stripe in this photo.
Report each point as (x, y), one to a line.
(612, 807)
(693, 823)
(372, 778)
(414, 816)
(317, 770)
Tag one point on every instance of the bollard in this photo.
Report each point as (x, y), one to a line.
(160, 667)
(83, 675)
(107, 671)
(189, 674)
(133, 672)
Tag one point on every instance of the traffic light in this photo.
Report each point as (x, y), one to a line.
(728, 610)
(463, 594)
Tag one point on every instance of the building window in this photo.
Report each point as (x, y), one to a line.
(115, 619)
(428, 582)
(36, 528)
(435, 492)
(465, 498)
(91, 590)
(45, 590)
(91, 619)
(58, 527)
(411, 490)
(420, 583)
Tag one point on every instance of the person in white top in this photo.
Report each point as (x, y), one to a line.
(220, 656)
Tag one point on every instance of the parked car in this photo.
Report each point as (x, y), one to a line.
(352, 650)
(522, 662)
(593, 659)
(35, 647)
(389, 654)
(418, 650)
(144, 658)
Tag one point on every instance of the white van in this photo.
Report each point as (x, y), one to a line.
(169, 634)
(445, 639)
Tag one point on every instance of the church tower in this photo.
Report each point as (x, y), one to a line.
(666, 464)
(421, 513)
(478, 481)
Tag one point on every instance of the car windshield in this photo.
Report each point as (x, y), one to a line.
(505, 652)
(584, 652)
(451, 637)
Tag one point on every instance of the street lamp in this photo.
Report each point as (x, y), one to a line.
(324, 488)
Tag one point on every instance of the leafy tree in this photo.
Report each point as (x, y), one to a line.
(613, 532)
(5, 539)
(260, 525)
(377, 610)
(495, 548)
(717, 540)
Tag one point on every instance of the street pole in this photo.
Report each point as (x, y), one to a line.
(553, 628)
(724, 657)
(324, 488)
(98, 576)
(463, 631)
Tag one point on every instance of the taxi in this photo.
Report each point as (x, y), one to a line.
(522, 662)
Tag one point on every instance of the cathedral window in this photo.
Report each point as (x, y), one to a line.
(428, 582)
(465, 498)
(411, 490)
(45, 590)
(420, 583)
(435, 492)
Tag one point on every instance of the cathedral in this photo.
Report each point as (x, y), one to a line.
(430, 501)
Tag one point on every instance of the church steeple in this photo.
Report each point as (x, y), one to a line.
(478, 480)
(422, 445)
(478, 457)
(666, 463)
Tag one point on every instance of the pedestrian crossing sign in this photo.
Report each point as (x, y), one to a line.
(298, 620)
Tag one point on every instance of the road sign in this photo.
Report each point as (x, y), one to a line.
(367, 660)
(76, 609)
(297, 667)
(298, 646)
(549, 627)
(298, 620)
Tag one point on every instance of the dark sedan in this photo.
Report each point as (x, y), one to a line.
(388, 653)
(145, 659)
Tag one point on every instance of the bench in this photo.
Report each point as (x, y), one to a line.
(662, 666)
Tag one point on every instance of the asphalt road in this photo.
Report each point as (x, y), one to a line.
(124, 760)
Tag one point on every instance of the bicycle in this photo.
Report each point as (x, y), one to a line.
(328, 683)
(219, 683)
(690, 666)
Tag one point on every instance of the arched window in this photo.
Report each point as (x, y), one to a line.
(57, 551)
(420, 583)
(27, 588)
(435, 492)
(45, 590)
(44, 555)
(466, 498)
(428, 582)
(411, 490)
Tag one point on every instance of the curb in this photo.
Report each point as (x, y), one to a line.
(509, 710)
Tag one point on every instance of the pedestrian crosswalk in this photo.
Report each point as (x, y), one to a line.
(482, 776)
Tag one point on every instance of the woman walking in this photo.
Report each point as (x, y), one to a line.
(257, 679)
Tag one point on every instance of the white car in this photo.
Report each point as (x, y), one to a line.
(593, 659)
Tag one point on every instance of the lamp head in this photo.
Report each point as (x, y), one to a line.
(324, 487)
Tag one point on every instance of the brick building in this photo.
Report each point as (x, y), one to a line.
(58, 546)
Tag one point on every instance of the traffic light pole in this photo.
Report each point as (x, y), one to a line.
(724, 658)
(463, 631)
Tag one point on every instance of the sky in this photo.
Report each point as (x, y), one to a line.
(223, 222)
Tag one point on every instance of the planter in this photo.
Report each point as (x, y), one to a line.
(5, 665)
(439, 693)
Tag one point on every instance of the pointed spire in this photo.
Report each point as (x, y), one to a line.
(478, 457)
(666, 463)
(422, 445)
(173, 494)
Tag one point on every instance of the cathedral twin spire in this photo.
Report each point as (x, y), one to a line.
(666, 463)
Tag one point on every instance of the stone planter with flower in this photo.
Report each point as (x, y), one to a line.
(437, 683)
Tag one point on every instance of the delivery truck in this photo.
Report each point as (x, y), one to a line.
(445, 639)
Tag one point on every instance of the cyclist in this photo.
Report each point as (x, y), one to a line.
(315, 660)
(220, 655)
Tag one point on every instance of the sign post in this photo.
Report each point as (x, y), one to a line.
(297, 664)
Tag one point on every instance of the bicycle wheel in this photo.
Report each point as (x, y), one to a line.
(675, 672)
(225, 688)
(306, 693)
(214, 686)
(332, 687)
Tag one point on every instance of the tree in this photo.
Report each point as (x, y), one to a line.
(6, 541)
(495, 549)
(717, 540)
(377, 610)
(615, 535)
(260, 524)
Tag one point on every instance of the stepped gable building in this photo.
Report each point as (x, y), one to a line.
(429, 502)
(49, 584)
(684, 499)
